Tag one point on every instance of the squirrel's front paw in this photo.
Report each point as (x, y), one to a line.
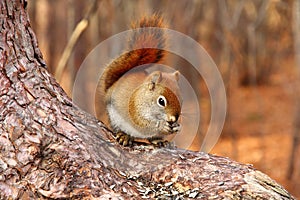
(171, 128)
(124, 139)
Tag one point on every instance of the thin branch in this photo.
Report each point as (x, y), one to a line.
(79, 29)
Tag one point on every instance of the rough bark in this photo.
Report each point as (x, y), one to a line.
(52, 149)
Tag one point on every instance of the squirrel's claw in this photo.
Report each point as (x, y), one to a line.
(171, 128)
(159, 142)
(124, 139)
(176, 127)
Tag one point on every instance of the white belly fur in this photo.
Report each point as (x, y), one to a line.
(117, 121)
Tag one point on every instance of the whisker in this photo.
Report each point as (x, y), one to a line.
(190, 114)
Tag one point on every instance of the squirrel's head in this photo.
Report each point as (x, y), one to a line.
(158, 99)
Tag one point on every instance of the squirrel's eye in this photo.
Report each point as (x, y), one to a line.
(162, 101)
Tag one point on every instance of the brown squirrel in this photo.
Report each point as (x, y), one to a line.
(140, 105)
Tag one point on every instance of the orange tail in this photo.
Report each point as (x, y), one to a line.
(145, 47)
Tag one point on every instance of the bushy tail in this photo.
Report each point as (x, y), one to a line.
(145, 46)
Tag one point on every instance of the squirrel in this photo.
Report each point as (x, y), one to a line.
(140, 105)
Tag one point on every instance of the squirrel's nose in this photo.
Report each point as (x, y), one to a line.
(172, 118)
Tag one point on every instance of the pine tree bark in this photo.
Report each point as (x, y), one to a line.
(51, 149)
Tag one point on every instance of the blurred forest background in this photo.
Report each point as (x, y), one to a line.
(254, 43)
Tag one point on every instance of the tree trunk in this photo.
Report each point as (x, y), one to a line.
(52, 149)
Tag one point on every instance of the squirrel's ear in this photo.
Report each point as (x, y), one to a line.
(176, 75)
(154, 79)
